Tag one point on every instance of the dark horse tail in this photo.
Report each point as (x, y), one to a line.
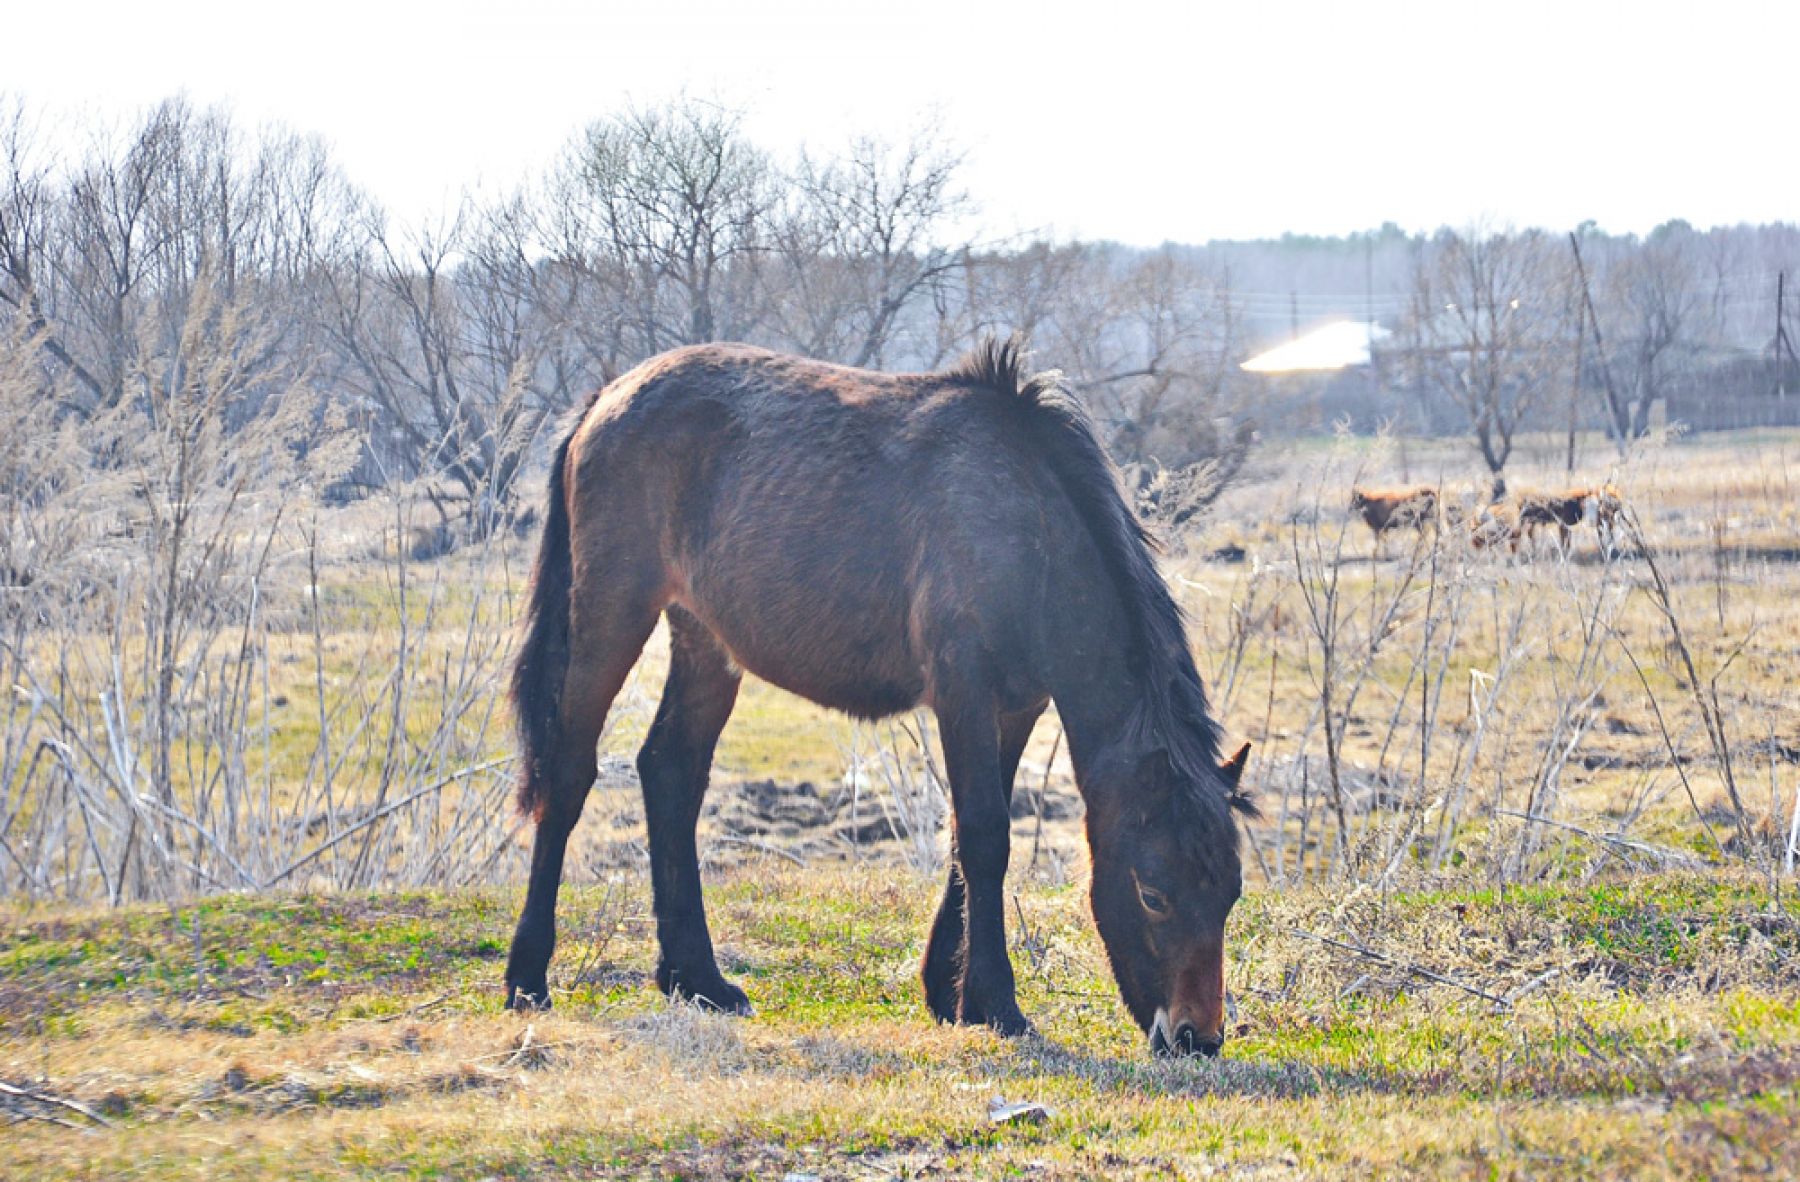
(543, 661)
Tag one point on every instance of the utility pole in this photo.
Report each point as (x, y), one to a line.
(1575, 386)
(1369, 278)
(1369, 314)
(1782, 344)
(1621, 425)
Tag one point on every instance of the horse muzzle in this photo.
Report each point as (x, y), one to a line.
(1182, 1039)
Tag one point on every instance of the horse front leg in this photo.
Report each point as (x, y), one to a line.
(983, 842)
(946, 951)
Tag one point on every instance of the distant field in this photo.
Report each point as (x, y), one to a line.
(1518, 905)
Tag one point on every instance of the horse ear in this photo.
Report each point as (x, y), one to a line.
(1233, 768)
(1233, 771)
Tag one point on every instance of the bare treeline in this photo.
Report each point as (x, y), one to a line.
(447, 346)
(1524, 330)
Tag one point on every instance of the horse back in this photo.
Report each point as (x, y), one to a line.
(839, 531)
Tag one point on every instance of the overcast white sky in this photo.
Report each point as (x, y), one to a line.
(1108, 119)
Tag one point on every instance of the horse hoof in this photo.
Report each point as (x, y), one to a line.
(523, 999)
(716, 995)
(722, 998)
(1015, 1026)
(1005, 1019)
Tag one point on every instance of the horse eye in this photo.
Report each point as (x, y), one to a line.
(1155, 902)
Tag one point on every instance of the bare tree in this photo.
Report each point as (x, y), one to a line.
(998, 290)
(863, 236)
(1486, 328)
(664, 213)
(1150, 340)
(526, 361)
(1654, 299)
(29, 233)
(99, 255)
(1161, 371)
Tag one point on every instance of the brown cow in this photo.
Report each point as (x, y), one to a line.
(1492, 526)
(1566, 509)
(1395, 508)
(1608, 504)
(1541, 510)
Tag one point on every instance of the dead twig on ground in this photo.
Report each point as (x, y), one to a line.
(1404, 966)
(757, 844)
(1667, 856)
(50, 1101)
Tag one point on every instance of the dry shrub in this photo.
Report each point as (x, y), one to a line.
(162, 555)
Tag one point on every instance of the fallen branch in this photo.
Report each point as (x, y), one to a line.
(1404, 966)
(388, 810)
(1667, 856)
(765, 847)
(433, 1004)
(1529, 986)
(74, 1106)
(523, 1045)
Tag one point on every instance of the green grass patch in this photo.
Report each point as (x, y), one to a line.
(325, 1034)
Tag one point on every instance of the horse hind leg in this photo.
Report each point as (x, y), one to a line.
(946, 951)
(674, 765)
(607, 629)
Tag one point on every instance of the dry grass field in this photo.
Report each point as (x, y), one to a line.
(1520, 904)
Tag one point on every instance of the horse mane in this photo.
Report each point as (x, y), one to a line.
(1172, 715)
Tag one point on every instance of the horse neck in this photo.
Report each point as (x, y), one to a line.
(1096, 690)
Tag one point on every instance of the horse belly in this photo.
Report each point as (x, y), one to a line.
(842, 650)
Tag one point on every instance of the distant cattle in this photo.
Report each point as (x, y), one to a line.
(1542, 510)
(1508, 521)
(1601, 505)
(1606, 504)
(1493, 526)
(1396, 508)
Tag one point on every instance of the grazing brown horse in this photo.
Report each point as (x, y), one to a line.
(875, 542)
(1388, 509)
